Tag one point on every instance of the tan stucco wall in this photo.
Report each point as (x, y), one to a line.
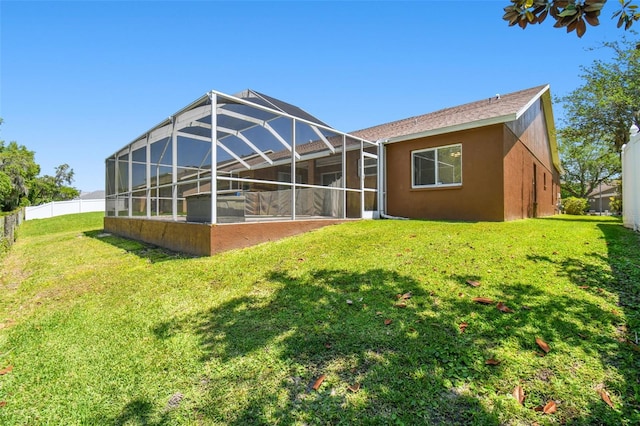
(204, 240)
(479, 198)
(192, 238)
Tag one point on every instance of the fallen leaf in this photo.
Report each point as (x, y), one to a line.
(492, 361)
(387, 321)
(460, 294)
(605, 397)
(6, 370)
(584, 287)
(354, 388)
(318, 382)
(378, 313)
(473, 283)
(301, 259)
(400, 305)
(327, 345)
(349, 302)
(550, 408)
(3, 403)
(463, 327)
(411, 330)
(526, 308)
(502, 307)
(555, 252)
(543, 345)
(538, 408)
(483, 300)
(518, 394)
(404, 296)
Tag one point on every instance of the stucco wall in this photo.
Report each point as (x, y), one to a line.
(479, 198)
(192, 238)
(203, 239)
(526, 144)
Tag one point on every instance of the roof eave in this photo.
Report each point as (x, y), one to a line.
(455, 128)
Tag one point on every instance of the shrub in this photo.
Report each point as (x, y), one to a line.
(574, 205)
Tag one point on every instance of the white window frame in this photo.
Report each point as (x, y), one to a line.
(437, 184)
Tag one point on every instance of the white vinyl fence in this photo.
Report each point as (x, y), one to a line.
(631, 181)
(58, 208)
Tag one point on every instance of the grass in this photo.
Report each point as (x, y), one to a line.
(103, 330)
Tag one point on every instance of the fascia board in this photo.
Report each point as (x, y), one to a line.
(456, 128)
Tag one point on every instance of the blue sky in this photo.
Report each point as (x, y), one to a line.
(79, 80)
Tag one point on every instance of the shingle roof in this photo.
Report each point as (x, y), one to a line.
(500, 108)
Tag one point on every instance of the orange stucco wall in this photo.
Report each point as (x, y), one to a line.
(479, 198)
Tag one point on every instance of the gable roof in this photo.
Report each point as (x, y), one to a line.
(495, 110)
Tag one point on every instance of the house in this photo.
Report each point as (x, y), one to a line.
(491, 160)
(280, 171)
(600, 198)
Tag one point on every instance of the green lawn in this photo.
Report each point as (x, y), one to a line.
(101, 330)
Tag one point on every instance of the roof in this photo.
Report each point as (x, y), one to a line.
(493, 110)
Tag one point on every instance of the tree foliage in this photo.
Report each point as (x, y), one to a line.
(19, 181)
(574, 15)
(606, 105)
(587, 162)
(598, 117)
(18, 164)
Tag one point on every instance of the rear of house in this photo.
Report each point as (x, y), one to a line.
(492, 160)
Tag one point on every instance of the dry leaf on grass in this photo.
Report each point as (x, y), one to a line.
(388, 321)
(349, 302)
(483, 300)
(404, 296)
(354, 388)
(492, 361)
(584, 287)
(502, 307)
(3, 403)
(543, 345)
(6, 370)
(463, 327)
(318, 382)
(550, 408)
(400, 305)
(473, 283)
(605, 396)
(518, 394)
(327, 345)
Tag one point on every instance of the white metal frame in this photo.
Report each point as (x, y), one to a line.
(213, 105)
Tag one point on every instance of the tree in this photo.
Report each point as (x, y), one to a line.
(574, 15)
(606, 105)
(587, 162)
(19, 181)
(19, 165)
(47, 188)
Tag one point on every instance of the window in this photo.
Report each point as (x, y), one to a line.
(437, 166)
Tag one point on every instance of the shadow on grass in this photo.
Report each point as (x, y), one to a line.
(271, 348)
(617, 283)
(150, 252)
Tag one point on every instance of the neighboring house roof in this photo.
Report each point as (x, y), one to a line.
(605, 190)
(94, 195)
(494, 110)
